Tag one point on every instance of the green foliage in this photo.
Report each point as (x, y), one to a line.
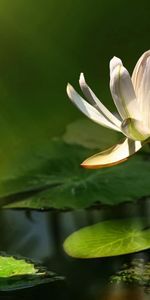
(51, 177)
(17, 273)
(109, 238)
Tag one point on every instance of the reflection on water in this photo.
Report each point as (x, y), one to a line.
(134, 293)
(39, 235)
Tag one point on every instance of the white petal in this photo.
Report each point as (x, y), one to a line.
(139, 69)
(141, 82)
(123, 92)
(115, 61)
(135, 130)
(91, 97)
(88, 109)
(113, 155)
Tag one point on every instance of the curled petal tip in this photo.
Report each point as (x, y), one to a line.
(68, 85)
(114, 62)
(85, 165)
(82, 165)
(81, 78)
(117, 59)
(81, 74)
(69, 89)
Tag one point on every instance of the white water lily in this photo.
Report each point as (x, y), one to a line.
(131, 96)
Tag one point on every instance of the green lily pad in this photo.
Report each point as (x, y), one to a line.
(51, 177)
(19, 274)
(59, 182)
(109, 238)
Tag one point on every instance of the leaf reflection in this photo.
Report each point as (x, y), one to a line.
(125, 294)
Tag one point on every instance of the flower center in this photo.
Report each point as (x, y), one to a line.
(135, 129)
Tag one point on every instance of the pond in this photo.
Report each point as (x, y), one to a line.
(40, 235)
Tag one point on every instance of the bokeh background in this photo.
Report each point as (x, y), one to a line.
(46, 43)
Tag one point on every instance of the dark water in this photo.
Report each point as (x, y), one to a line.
(40, 235)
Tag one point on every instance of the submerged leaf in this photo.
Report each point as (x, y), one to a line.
(109, 238)
(19, 274)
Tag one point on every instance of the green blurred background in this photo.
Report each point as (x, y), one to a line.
(46, 43)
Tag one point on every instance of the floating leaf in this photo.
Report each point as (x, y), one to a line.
(109, 238)
(19, 274)
(79, 188)
(51, 177)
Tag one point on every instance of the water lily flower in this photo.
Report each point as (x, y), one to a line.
(131, 96)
